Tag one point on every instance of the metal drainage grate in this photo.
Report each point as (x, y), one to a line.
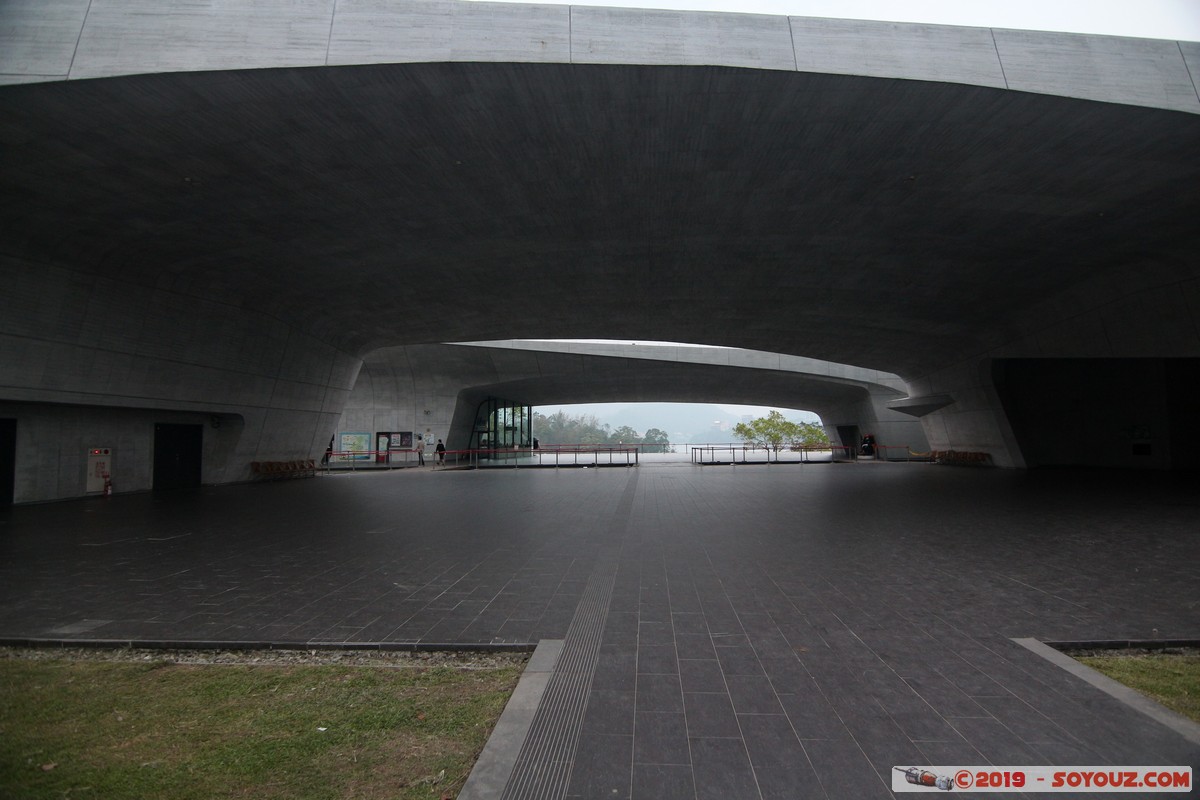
(543, 767)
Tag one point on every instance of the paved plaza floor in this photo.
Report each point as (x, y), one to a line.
(767, 632)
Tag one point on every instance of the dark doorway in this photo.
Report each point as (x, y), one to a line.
(177, 452)
(8, 461)
(849, 436)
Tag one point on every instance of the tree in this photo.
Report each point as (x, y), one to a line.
(811, 435)
(561, 428)
(625, 435)
(592, 432)
(773, 432)
(657, 441)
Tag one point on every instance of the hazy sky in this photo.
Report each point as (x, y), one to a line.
(1154, 19)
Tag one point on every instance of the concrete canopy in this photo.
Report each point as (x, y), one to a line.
(900, 225)
(440, 387)
(229, 244)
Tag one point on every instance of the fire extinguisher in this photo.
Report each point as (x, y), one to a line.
(107, 485)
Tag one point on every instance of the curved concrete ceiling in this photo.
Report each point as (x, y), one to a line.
(395, 380)
(544, 373)
(664, 382)
(693, 354)
(893, 224)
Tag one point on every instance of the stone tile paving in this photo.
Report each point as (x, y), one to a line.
(771, 632)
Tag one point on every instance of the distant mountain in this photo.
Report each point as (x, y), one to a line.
(683, 422)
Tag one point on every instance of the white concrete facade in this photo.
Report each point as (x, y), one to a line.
(48, 40)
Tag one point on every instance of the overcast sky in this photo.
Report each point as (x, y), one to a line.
(1154, 19)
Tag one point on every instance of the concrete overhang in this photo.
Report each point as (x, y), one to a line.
(444, 384)
(713, 356)
(550, 373)
(639, 382)
(920, 406)
(739, 180)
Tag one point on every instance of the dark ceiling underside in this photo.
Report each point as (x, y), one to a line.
(884, 223)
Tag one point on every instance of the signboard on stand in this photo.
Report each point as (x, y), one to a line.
(392, 445)
(354, 446)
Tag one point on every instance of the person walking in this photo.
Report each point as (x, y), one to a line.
(419, 446)
(441, 453)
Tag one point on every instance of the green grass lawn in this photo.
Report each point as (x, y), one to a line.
(1170, 679)
(85, 729)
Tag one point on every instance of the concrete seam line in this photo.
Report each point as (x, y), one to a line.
(1118, 691)
(495, 764)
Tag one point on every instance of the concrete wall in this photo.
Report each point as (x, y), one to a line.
(896, 433)
(1103, 412)
(410, 391)
(53, 441)
(43, 40)
(96, 362)
(1124, 319)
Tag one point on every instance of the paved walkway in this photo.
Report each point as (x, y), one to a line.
(730, 632)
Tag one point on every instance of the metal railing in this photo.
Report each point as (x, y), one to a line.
(755, 454)
(798, 454)
(894, 452)
(554, 455)
(557, 455)
(370, 459)
(616, 455)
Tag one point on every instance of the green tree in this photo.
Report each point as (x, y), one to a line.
(561, 428)
(775, 431)
(625, 435)
(811, 435)
(657, 441)
(592, 432)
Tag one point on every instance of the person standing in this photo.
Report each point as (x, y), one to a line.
(419, 446)
(441, 453)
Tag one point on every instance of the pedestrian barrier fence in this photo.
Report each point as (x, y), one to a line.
(371, 459)
(755, 454)
(555, 455)
(550, 456)
(799, 454)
